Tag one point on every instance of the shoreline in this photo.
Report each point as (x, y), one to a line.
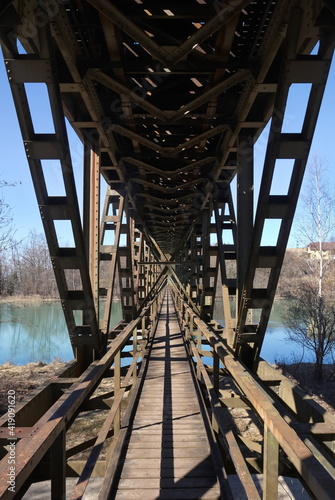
(23, 379)
(32, 299)
(27, 299)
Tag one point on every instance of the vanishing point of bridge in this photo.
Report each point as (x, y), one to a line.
(168, 99)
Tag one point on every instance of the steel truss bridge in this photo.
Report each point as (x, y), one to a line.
(168, 99)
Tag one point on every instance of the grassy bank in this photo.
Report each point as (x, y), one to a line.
(25, 378)
(26, 299)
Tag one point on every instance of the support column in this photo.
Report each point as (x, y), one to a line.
(270, 466)
(126, 265)
(58, 468)
(63, 205)
(94, 226)
(109, 250)
(226, 254)
(245, 213)
(245, 204)
(91, 216)
(206, 296)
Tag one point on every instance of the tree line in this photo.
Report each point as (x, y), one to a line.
(26, 269)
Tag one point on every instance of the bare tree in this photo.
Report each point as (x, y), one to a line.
(310, 322)
(7, 231)
(7, 241)
(316, 224)
(310, 317)
(35, 268)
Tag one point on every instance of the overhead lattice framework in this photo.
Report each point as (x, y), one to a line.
(169, 99)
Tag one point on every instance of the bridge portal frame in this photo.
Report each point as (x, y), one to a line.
(198, 259)
(135, 259)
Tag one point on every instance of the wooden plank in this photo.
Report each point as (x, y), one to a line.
(184, 417)
(183, 482)
(173, 409)
(169, 443)
(186, 427)
(168, 452)
(175, 402)
(130, 472)
(158, 429)
(169, 494)
(168, 463)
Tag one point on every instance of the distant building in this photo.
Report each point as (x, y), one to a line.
(327, 249)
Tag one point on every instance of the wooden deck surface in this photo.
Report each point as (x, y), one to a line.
(168, 456)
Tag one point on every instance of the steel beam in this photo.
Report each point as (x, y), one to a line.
(224, 214)
(40, 147)
(283, 207)
(245, 204)
(110, 234)
(94, 226)
(122, 90)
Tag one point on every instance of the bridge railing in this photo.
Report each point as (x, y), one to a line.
(37, 441)
(289, 445)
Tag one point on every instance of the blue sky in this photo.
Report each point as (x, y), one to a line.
(14, 167)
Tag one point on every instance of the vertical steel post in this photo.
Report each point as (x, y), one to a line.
(94, 227)
(245, 211)
(216, 371)
(87, 195)
(58, 468)
(143, 326)
(270, 465)
(226, 251)
(187, 325)
(206, 297)
(91, 216)
(112, 222)
(245, 205)
(117, 386)
(199, 336)
(39, 147)
(135, 352)
(191, 326)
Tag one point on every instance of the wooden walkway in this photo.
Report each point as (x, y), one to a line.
(168, 456)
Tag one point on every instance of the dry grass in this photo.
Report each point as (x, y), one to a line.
(303, 375)
(30, 299)
(24, 378)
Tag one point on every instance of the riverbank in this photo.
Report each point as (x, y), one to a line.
(33, 299)
(26, 299)
(322, 392)
(25, 378)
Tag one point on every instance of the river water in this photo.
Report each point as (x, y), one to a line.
(37, 332)
(31, 332)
